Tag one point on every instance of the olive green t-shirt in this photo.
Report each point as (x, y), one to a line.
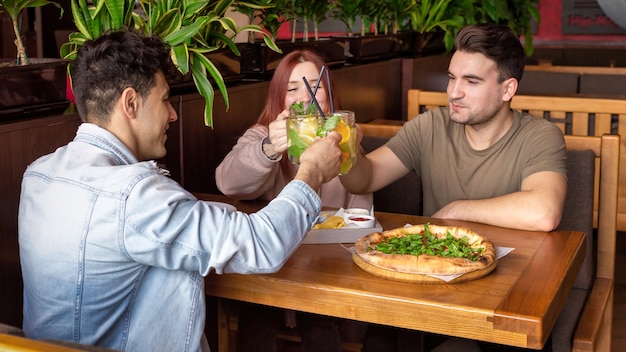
(436, 148)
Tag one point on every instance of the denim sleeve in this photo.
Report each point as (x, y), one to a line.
(166, 226)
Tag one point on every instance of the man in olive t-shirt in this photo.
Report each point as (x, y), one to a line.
(479, 160)
(455, 171)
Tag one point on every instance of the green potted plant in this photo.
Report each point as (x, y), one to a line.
(429, 21)
(258, 62)
(519, 15)
(257, 58)
(261, 10)
(318, 11)
(305, 11)
(14, 9)
(364, 47)
(193, 28)
(348, 11)
(373, 13)
(29, 85)
(395, 14)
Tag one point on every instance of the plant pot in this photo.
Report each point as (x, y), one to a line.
(258, 62)
(412, 43)
(359, 49)
(37, 88)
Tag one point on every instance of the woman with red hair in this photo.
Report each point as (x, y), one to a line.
(257, 168)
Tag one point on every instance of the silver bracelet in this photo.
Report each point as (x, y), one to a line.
(268, 149)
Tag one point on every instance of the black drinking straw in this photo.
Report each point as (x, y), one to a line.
(330, 92)
(317, 105)
(319, 79)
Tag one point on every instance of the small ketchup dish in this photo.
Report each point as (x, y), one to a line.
(347, 213)
(362, 220)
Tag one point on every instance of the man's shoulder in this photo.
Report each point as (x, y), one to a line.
(537, 132)
(528, 121)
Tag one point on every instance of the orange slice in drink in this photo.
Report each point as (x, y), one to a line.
(344, 130)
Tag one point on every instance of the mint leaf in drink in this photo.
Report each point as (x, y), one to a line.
(300, 109)
(295, 140)
(331, 122)
(295, 151)
(329, 125)
(296, 145)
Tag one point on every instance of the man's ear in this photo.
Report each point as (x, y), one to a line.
(509, 88)
(130, 102)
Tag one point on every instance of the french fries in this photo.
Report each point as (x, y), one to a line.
(332, 222)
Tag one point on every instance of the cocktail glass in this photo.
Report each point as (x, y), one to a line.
(348, 145)
(302, 129)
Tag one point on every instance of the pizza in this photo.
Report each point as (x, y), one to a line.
(428, 250)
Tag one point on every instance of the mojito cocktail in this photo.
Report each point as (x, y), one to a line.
(302, 127)
(348, 145)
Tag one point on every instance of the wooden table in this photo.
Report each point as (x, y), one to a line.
(19, 343)
(517, 304)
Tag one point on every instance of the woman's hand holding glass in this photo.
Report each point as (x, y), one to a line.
(278, 132)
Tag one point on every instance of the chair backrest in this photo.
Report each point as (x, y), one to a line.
(381, 129)
(607, 152)
(578, 208)
(582, 116)
(599, 70)
(419, 101)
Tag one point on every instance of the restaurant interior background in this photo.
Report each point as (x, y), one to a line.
(571, 32)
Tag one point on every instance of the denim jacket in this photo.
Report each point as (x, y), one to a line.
(114, 252)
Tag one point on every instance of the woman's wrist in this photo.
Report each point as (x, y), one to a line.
(268, 149)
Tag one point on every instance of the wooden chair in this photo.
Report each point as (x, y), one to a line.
(12, 338)
(582, 116)
(593, 331)
(380, 128)
(573, 115)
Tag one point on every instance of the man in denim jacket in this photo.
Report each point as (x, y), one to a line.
(113, 252)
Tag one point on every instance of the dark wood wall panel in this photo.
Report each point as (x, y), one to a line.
(205, 147)
(372, 91)
(21, 143)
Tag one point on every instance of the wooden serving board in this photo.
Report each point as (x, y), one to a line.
(418, 278)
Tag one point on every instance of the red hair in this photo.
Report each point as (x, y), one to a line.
(277, 93)
(275, 102)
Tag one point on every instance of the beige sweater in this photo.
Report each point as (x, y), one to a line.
(246, 173)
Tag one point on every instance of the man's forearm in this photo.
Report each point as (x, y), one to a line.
(519, 210)
(359, 178)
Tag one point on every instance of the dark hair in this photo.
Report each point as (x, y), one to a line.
(105, 66)
(498, 43)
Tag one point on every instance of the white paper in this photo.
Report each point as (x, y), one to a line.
(500, 252)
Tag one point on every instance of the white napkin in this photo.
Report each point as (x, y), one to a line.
(500, 252)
